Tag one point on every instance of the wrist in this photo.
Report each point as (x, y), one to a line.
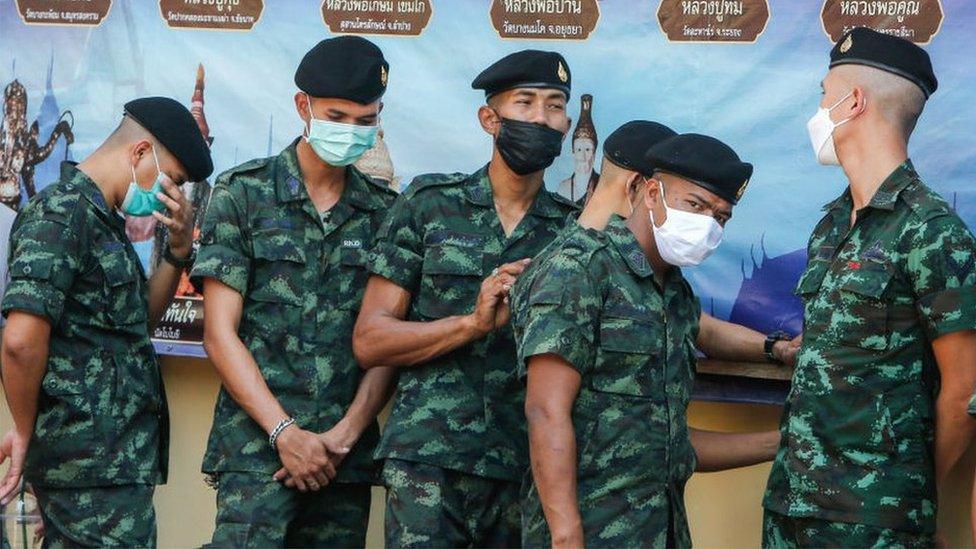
(346, 432)
(568, 536)
(472, 328)
(180, 252)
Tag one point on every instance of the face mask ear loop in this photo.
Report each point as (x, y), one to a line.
(311, 117)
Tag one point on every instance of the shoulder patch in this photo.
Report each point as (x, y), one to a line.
(429, 180)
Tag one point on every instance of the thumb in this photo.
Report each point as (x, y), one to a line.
(335, 447)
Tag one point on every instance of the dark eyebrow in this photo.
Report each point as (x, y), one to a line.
(556, 94)
(336, 113)
(701, 199)
(526, 93)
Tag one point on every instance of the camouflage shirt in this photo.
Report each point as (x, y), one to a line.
(463, 410)
(858, 424)
(302, 280)
(596, 304)
(102, 417)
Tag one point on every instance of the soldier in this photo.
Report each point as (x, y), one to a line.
(454, 446)
(607, 336)
(868, 434)
(79, 371)
(282, 263)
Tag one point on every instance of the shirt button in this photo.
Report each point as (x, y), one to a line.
(27, 269)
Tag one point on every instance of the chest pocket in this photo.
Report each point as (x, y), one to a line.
(860, 316)
(279, 267)
(629, 355)
(352, 276)
(125, 302)
(812, 279)
(451, 274)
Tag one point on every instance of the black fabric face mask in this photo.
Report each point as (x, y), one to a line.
(528, 147)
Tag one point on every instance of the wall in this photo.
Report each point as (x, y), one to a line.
(724, 508)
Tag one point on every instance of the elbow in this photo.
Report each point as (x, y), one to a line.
(539, 414)
(18, 349)
(361, 347)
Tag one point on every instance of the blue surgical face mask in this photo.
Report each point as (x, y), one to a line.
(336, 143)
(140, 202)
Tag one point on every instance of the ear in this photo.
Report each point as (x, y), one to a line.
(302, 105)
(860, 102)
(378, 111)
(569, 124)
(490, 120)
(140, 148)
(652, 193)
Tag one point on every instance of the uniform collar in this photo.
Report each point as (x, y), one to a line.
(290, 188)
(628, 247)
(72, 178)
(478, 191)
(887, 194)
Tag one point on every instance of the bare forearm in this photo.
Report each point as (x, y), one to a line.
(23, 371)
(374, 391)
(383, 340)
(552, 448)
(243, 380)
(954, 431)
(723, 340)
(162, 287)
(721, 451)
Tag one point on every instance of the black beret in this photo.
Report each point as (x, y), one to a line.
(525, 69)
(346, 67)
(174, 127)
(864, 46)
(627, 146)
(704, 160)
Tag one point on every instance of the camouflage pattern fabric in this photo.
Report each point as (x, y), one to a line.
(102, 418)
(782, 532)
(302, 281)
(427, 506)
(858, 424)
(596, 304)
(519, 291)
(462, 411)
(972, 406)
(255, 511)
(108, 516)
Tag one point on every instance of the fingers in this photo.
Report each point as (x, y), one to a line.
(321, 479)
(171, 224)
(280, 474)
(514, 268)
(11, 481)
(172, 205)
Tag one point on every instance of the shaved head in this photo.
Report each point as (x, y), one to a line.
(896, 99)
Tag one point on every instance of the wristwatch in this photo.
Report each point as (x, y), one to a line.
(177, 262)
(771, 340)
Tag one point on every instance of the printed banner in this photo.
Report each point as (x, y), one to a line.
(745, 71)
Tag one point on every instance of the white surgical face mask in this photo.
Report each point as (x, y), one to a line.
(821, 130)
(685, 238)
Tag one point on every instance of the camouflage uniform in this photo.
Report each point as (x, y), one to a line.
(461, 411)
(102, 425)
(596, 304)
(302, 278)
(858, 424)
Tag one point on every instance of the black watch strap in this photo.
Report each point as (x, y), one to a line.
(771, 340)
(177, 262)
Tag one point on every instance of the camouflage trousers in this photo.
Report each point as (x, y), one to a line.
(106, 516)
(783, 532)
(253, 510)
(651, 516)
(427, 506)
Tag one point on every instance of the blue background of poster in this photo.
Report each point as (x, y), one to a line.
(757, 97)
